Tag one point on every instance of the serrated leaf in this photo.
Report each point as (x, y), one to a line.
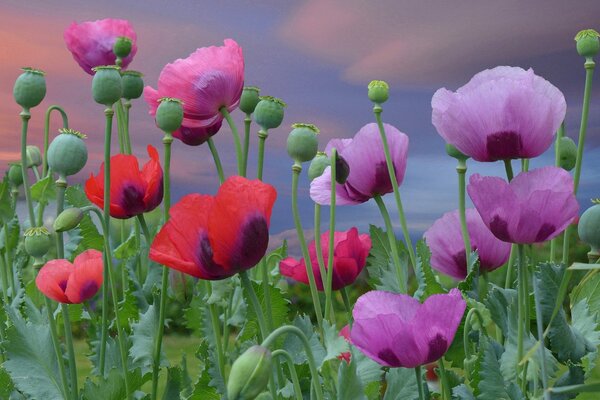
(277, 255)
(574, 376)
(90, 237)
(6, 384)
(293, 345)
(427, 282)
(382, 272)
(588, 289)
(334, 343)
(113, 386)
(143, 337)
(6, 211)
(498, 301)
(470, 285)
(14, 234)
(462, 392)
(279, 311)
(128, 248)
(401, 384)
(368, 371)
(43, 190)
(174, 385)
(128, 310)
(585, 323)
(349, 386)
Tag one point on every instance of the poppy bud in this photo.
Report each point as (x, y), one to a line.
(133, 84)
(67, 154)
(302, 143)
(249, 99)
(15, 174)
(122, 46)
(30, 88)
(589, 226)
(342, 169)
(34, 156)
(68, 219)
(588, 44)
(269, 112)
(567, 153)
(37, 242)
(455, 153)
(264, 396)
(249, 374)
(379, 92)
(318, 165)
(169, 114)
(106, 85)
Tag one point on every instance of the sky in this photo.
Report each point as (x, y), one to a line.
(319, 56)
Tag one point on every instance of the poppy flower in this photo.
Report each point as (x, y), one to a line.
(209, 79)
(534, 207)
(396, 330)
(214, 237)
(502, 113)
(72, 283)
(445, 241)
(369, 176)
(91, 42)
(132, 191)
(350, 251)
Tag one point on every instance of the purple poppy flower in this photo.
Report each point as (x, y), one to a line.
(397, 331)
(502, 113)
(445, 241)
(534, 207)
(369, 176)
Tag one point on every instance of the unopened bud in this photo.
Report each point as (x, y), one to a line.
(250, 98)
(249, 374)
(302, 142)
(169, 114)
(379, 92)
(68, 219)
(269, 112)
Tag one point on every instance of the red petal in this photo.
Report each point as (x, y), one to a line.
(86, 277)
(152, 174)
(52, 279)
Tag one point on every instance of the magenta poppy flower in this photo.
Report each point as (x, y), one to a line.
(534, 207)
(368, 176)
(350, 251)
(445, 241)
(91, 42)
(396, 330)
(209, 79)
(71, 283)
(502, 113)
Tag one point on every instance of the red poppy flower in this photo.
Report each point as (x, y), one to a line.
(350, 252)
(71, 283)
(132, 191)
(214, 237)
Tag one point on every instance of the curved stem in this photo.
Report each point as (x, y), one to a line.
(461, 169)
(401, 272)
(419, 377)
(236, 137)
(262, 137)
(65, 121)
(292, 368)
(57, 350)
(217, 159)
(329, 281)
(25, 117)
(467, 329)
(70, 350)
(247, 124)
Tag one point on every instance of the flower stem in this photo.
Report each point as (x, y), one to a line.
(292, 368)
(217, 159)
(262, 137)
(347, 305)
(25, 117)
(446, 395)
(461, 170)
(296, 169)
(70, 350)
(236, 137)
(318, 249)
(390, 166)
(329, 312)
(65, 121)
(540, 334)
(522, 293)
(559, 135)
(57, 349)
(247, 284)
(419, 377)
(401, 272)
(216, 326)
(509, 169)
(246, 148)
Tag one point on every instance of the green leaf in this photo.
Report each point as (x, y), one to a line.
(293, 345)
(128, 310)
(349, 386)
(574, 376)
(334, 343)
(275, 256)
(382, 272)
(6, 384)
(43, 190)
(113, 386)
(589, 290)
(368, 371)
(6, 211)
(128, 248)
(470, 286)
(427, 282)
(202, 389)
(90, 237)
(143, 337)
(174, 384)
(279, 311)
(462, 392)
(585, 323)
(14, 234)
(401, 384)
(491, 385)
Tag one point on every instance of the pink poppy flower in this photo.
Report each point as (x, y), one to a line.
(445, 241)
(534, 207)
(502, 113)
(91, 42)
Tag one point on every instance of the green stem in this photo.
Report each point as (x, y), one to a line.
(236, 137)
(347, 305)
(25, 117)
(247, 285)
(390, 166)
(401, 272)
(216, 326)
(127, 106)
(559, 135)
(446, 395)
(461, 170)
(36, 173)
(540, 334)
(247, 124)
(318, 249)
(61, 186)
(511, 259)
(329, 315)
(217, 159)
(9, 262)
(65, 121)
(57, 349)
(4, 277)
(292, 368)
(419, 377)
(262, 137)
(70, 350)
(509, 169)
(296, 169)
(521, 311)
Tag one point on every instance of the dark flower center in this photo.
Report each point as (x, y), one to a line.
(252, 242)
(209, 268)
(389, 357)
(88, 290)
(545, 231)
(504, 145)
(382, 184)
(499, 227)
(132, 200)
(63, 285)
(437, 347)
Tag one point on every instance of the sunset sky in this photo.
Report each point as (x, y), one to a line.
(317, 55)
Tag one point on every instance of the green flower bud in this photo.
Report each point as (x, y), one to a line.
(302, 143)
(318, 165)
(15, 174)
(67, 154)
(379, 92)
(588, 44)
(249, 99)
(269, 112)
(249, 374)
(264, 396)
(34, 156)
(455, 153)
(589, 226)
(30, 88)
(169, 114)
(37, 241)
(122, 46)
(68, 219)
(133, 84)
(106, 85)
(567, 153)
(342, 169)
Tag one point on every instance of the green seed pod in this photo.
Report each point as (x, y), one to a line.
(567, 153)
(455, 153)
(249, 374)
(30, 88)
(249, 99)
(302, 142)
(342, 169)
(34, 156)
(269, 112)
(68, 219)
(37, 241)
(589, 226)
(169, 114)
(106, 85)
(122, 46)
(133, 84)
(15, 174)
(67, 154)
(379, 92)
(318, 165)
(588, 44)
